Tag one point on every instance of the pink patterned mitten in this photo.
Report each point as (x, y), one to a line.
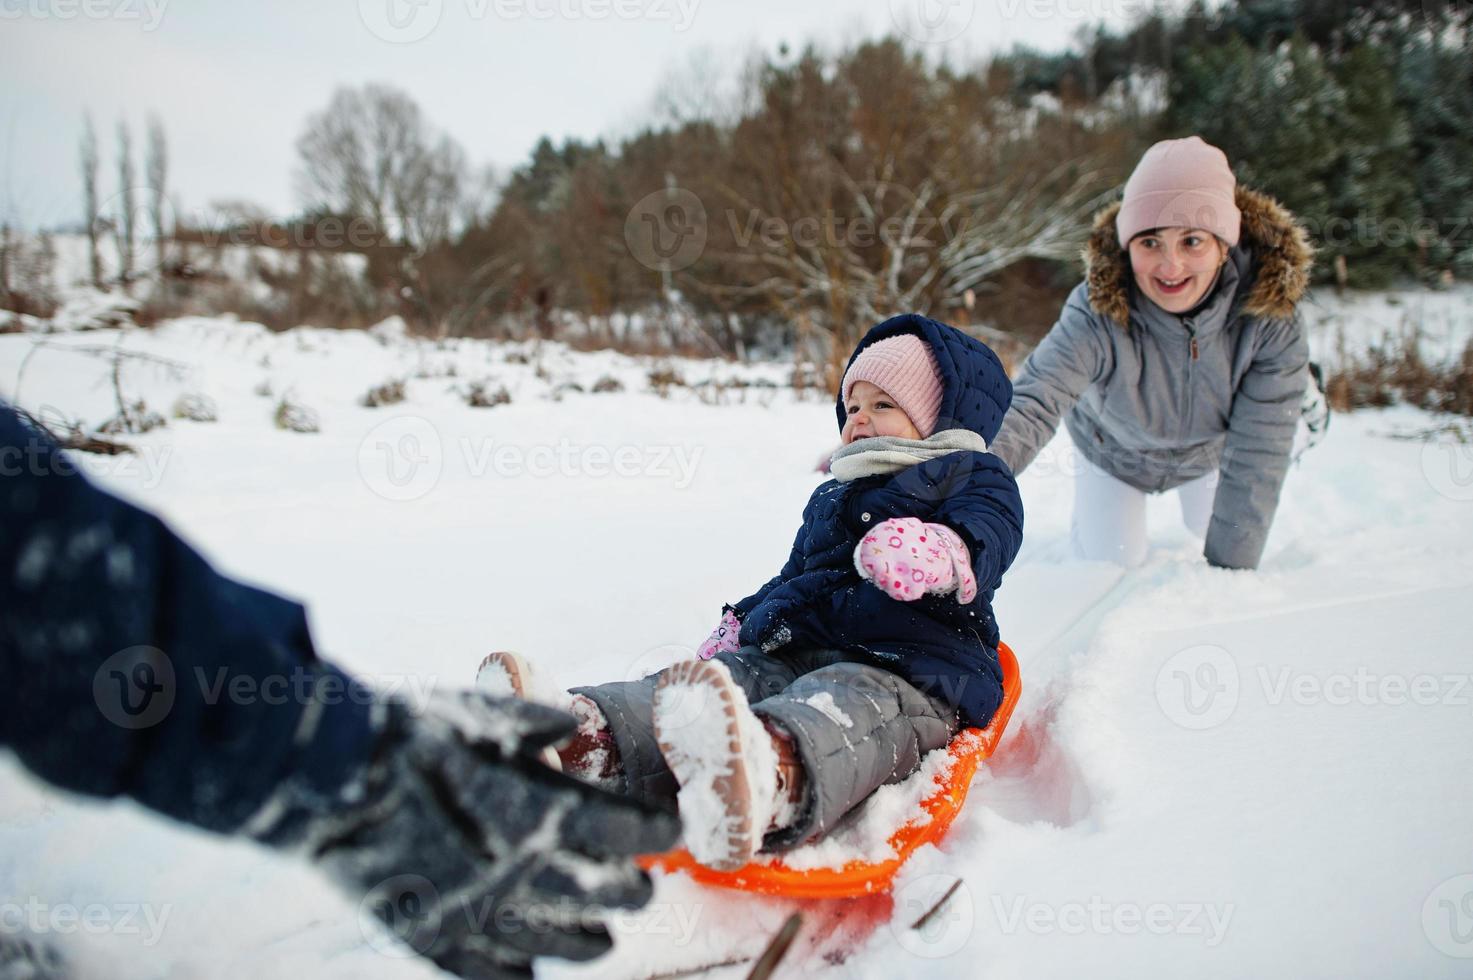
(723, 638)
(908, 558)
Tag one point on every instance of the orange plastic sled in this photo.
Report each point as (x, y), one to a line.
(857, 878)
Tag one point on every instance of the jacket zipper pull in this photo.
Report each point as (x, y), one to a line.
(1191, 334)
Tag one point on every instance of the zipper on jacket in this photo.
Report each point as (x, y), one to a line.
(1186, 415)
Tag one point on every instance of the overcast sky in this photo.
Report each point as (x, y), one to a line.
(234, 81)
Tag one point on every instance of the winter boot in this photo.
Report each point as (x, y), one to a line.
(737, 779)
(590, 753)
(792, 787)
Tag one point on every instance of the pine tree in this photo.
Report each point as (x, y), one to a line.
(1435, 85)
(1272, 113)
(1374, 208)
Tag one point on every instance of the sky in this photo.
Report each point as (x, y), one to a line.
(233, 83)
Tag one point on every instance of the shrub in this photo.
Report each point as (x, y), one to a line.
(388, 393)
(480, 394)
(662, 378)
(196, 406)
(292, 416)
(1395, 372)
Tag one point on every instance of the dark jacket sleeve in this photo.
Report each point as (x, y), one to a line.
(986, 509)
(972, 493)
(1255, 457)
(1071, 357)
(133, 669)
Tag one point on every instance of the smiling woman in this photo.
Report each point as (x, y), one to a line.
(1180, 362)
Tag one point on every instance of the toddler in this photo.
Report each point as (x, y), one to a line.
(872, 646)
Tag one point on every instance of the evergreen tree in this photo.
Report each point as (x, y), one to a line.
(1435, 85)
(1273, 113)
(1374, 208)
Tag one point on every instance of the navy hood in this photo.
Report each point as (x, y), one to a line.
(976, 391)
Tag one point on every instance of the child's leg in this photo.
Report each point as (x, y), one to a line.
(1109, 518)
(1197, 497)
(629, 708)
(856, 728)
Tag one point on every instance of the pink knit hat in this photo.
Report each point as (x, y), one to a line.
(904, 368)
(1180, 184)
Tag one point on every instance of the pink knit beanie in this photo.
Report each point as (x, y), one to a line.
(904, 368)
(1180, 184)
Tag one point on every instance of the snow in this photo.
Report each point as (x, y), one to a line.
(1349, 325)
(1213, 772)
(824, 702)
(868, 837)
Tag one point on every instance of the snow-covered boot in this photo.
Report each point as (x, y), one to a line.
(590, 754)
(726, 761)
(791, 781)
(506, 674)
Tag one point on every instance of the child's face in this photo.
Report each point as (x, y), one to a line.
(1176, 266)
(872, 413)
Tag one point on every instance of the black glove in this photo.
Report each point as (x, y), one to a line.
(474, 853)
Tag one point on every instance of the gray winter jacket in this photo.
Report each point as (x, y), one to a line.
(1157, 399)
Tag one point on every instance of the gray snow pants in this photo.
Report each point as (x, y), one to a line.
(856, 727)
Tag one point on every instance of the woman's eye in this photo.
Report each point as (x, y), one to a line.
(1192, 242)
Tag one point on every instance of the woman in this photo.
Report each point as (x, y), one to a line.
(1179, 363)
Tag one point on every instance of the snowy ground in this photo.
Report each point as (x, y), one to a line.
(1231, 774)
(1346, 326)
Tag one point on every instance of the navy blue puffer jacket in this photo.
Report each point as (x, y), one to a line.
(945, 649)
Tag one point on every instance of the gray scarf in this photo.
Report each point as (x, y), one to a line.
(889, 454)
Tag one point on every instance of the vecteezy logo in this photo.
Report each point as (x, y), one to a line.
(1448, 467)
(932, 21)
(134, 688)
(1447, 917)
(400, 21)
(934, 916)
(666, 231)
(409, 906)
(401, 459)
(1198, 687)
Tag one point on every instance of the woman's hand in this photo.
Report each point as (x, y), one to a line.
(907, 558)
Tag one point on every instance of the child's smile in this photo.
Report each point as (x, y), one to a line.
(871, 412)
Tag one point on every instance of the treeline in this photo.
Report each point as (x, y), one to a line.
(840, 187)
(827, 190)
(1359, 116)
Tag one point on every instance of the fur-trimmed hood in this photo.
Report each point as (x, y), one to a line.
(1276, 247)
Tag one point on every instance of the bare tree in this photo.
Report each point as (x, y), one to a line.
(27, 267)
(871, 184)
(88, 154)
(127, 227)
(370, 154)
(429, 199)
(5, 249)
(1028, 217)
(158, 177)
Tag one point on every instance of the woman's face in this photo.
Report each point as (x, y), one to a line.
(1175, 267)
(873, 413)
